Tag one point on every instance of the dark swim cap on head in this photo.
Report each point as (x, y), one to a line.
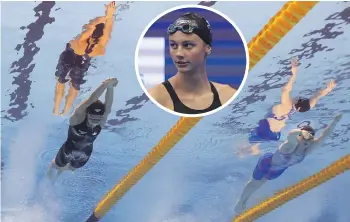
(192, 23)
(98, 32)
(97, 108)
(302, 104)
(309, 129)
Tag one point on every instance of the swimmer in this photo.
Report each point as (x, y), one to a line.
(75, 60)
(270, 127)
(299, 143)
(84, 126)
(190, 91)
(298, 104)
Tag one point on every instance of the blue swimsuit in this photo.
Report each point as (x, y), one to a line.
(263, 131)
(264, 167)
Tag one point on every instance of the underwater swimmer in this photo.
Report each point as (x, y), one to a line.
(270, 127)
(84, 126)
(75, 60)
(299, 143)
(290, 105)
(190, 91)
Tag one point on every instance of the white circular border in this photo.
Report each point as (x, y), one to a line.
(174, 9)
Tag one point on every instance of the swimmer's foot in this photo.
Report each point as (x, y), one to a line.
(53, 173)
(63, 113)
(59, 92)
(240, 206)
(55, 112)
(50, 173)
(59, 172)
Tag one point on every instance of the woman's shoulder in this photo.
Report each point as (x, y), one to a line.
(225, 91)
(159, 93)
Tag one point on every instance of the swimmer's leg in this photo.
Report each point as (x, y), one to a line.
(82, 160)
(258, 179)
(50, 170)
(59, 170)
(72, 95)
(61, 73)
(72, 168)
(248, 190)
(255, 149)
(59, 164)
(77, 79)
(59, 92)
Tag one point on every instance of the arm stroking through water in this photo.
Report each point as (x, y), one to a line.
(314, 99)
(324, 134)
(110, 9)
(80, 112)
(108, 103)
(286, 101)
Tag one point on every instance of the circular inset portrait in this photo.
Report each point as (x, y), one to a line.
(191, 61)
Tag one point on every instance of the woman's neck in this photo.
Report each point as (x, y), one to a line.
(192, 83)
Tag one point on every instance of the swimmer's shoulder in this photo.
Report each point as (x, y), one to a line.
(291, 142)
(161, 95)
(225, 91)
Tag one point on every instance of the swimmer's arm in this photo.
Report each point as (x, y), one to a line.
(316, 97)
(107, 31)
(324, 134)
(287, 88)
(292, 141)
(80, 111)
(108, 104)
(88, 29)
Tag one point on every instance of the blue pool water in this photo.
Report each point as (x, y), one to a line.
(202, 177)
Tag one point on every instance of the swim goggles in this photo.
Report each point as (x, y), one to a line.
(94, 119)
(186, 28)
(307, 135)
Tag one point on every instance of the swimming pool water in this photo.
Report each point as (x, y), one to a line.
(202, 177)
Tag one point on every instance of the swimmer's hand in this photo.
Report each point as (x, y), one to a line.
(294, 62)
(111, 82)
(338, 117)
(110, 9)
(331, 85)
(294, 65)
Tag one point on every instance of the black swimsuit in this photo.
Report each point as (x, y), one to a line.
(79, 145)
(182, 108)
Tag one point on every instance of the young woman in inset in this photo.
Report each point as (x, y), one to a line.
(190, 91)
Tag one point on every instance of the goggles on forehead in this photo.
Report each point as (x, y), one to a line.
(186, 28)
(191, 26)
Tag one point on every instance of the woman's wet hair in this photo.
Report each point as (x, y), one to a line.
(194, 23)
(302, 105)
(98, 32)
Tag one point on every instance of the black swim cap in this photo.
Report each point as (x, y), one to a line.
(192, 23)
(309, 129)
(97, 108)
(98, 31)
(302, 104)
